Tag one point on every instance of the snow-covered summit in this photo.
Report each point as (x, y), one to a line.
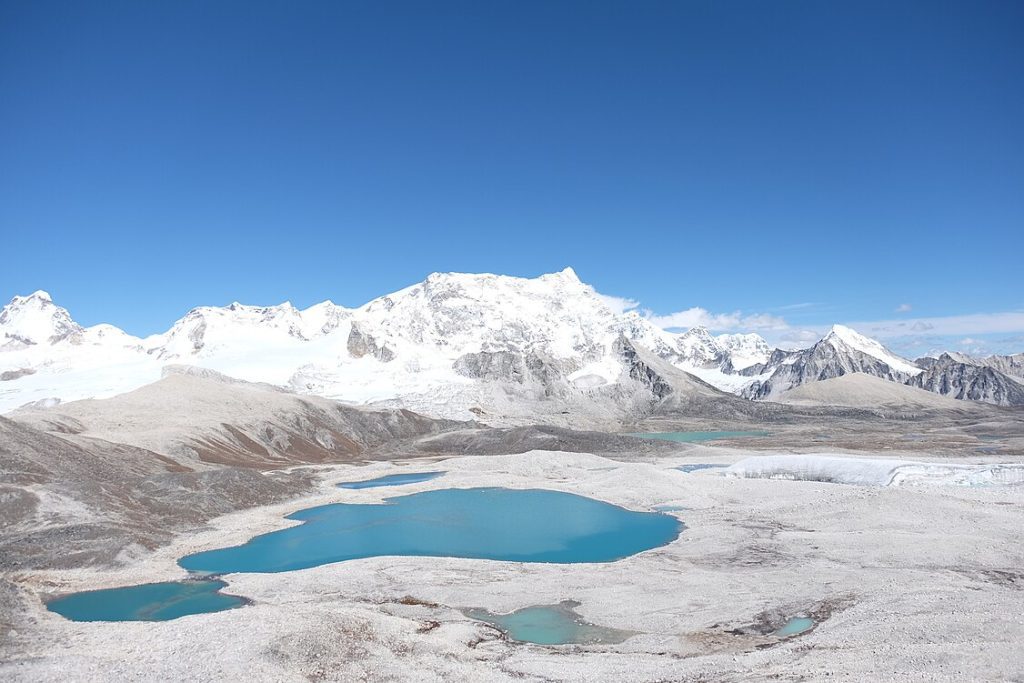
(35, 319)
(461, 312)
(745, 350)
(843, 337)
(207, 330)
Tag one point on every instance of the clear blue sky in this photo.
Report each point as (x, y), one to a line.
(729, 155)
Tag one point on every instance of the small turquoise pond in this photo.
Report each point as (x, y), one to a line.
(795, 627)
(549, 625)
(690, 437)
(391, 480)
(516, 525)
(148, 602)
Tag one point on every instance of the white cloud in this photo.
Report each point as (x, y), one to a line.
(798, 339)
(619, 304)
(904, 308)
(764, 322)
(975, 347)
(719, 322)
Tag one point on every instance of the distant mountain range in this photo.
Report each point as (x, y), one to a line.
(460, 346)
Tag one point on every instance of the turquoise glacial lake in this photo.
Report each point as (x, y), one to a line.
(549, 625)
(794, 627)
(391, 480)
(690, 437)
(148, 602)
(531, 525)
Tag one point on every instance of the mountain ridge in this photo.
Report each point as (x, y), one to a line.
(452, 345)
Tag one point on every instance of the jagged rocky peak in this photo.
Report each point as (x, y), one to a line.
(35, 319)
(840, 352)
(846, 338)
(1010, 365)
(974, 379)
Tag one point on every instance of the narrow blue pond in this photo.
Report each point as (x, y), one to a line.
(391, 480)
(549, 625)
(795, 627)
(697, 467)
(531, 525)
(690, 437)
(148, 602)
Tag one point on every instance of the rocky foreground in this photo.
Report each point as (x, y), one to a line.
(916, 581)
(903, 584)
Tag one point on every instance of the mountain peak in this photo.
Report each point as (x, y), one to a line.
(39, 296)
(569, 274)
(849, 337)
(34, 319)
(844, 332)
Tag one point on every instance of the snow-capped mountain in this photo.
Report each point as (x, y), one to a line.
(34, 319)
(744, 350)
(997, 380)
(838, 353)
(455, 345)
(461, 340)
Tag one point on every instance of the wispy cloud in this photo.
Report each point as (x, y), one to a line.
(973, 324)
(974, 333)
(798, 338)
